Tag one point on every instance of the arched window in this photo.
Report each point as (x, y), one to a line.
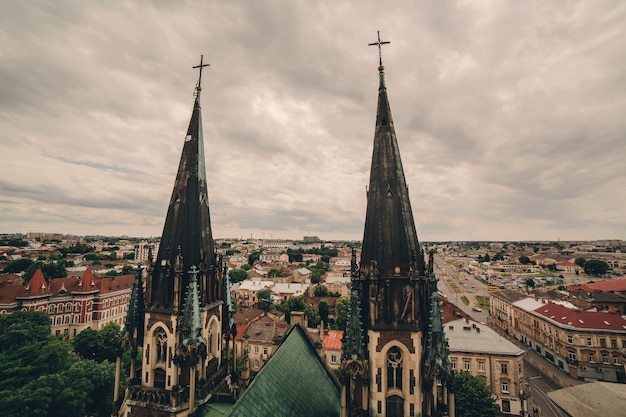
(394, 368)
(394, 406)
(161, 344)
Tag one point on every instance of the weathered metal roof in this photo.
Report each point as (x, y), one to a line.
(187, 235)
(390, 237)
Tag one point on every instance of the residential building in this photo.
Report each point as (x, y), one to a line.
(73, 304)
(482, 352)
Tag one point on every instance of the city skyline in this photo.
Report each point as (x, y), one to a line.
(509, 117)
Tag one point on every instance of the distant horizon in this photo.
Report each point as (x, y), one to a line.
(319, 237)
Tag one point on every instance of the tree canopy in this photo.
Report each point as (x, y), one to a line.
(341, 312)
(472, 397)
(237, 275)
(524, 260)
(41, 376)
(596, 267)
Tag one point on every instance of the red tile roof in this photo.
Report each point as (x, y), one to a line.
(603, 286)
(332, 340)
(594, 320)
(36, 286)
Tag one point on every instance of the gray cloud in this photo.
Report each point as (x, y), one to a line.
(509, 116)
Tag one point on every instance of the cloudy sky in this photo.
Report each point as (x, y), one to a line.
(510, 116)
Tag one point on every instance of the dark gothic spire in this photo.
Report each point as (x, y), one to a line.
(132, 336)
(436, 355)
(187, 238)
(353, 340)
(390, 238)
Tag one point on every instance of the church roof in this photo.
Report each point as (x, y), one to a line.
(294, 382)
(187, 230)
(389, 237)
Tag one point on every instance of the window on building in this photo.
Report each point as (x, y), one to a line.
(265, 351)
(589, 342)
(467, 365)
(614, 343)
(616, 360)
(505, 387)
(394, 368)
(452, 364)
(506, 406)
(570, 339)
(605, 358)
(623, 343)
(256, 363)
(603, 342)
(481, 366)
(592, 358)
(256, 349)
(504, 368)
(333, 358)
(161, 345)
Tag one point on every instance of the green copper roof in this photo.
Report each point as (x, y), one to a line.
(294, 382)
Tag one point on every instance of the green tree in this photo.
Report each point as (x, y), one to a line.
(296, 303)
(320, 290)
(130, 256)
(524, 260)
(245, 267)
(580, 261)
(323, 310)
(237, 275)
(530, 283)
(253, 257)
(341, 312)
(596, 267)
(265, 299)
(274, 272)
(311, 315)
(316, 276)
(472, 397)
(111, 273)
(18, 265)
(128, 270)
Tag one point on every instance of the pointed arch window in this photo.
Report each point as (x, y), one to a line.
(394, 368)
(161, 344)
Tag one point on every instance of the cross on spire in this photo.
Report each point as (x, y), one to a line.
(379, 44)
(200, 67)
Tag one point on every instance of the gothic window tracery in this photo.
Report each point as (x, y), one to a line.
(161, 344)
(394, 368)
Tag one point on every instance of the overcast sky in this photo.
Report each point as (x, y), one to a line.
(510, 116)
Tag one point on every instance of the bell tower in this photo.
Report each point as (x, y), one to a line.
(394, 285)
(182, 324)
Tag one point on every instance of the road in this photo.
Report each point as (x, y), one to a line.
(540, 386)
(470, 287)
(539, 383)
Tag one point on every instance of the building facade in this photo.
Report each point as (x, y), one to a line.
(477, 349)
(73, 304)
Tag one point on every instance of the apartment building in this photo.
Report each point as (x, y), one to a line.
(482, 352)
(589, 345)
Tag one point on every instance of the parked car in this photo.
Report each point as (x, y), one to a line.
(476, 309)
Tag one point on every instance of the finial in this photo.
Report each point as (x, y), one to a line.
(380, 55)
(199, 87)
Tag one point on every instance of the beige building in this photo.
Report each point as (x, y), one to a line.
(482, 352)
(588, 345)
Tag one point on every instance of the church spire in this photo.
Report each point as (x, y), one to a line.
(187, 235)
(390, 238)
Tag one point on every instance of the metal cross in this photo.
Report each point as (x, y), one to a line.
(200, 67)
(379, 44)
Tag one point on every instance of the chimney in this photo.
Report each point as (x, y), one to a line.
(297, 317)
